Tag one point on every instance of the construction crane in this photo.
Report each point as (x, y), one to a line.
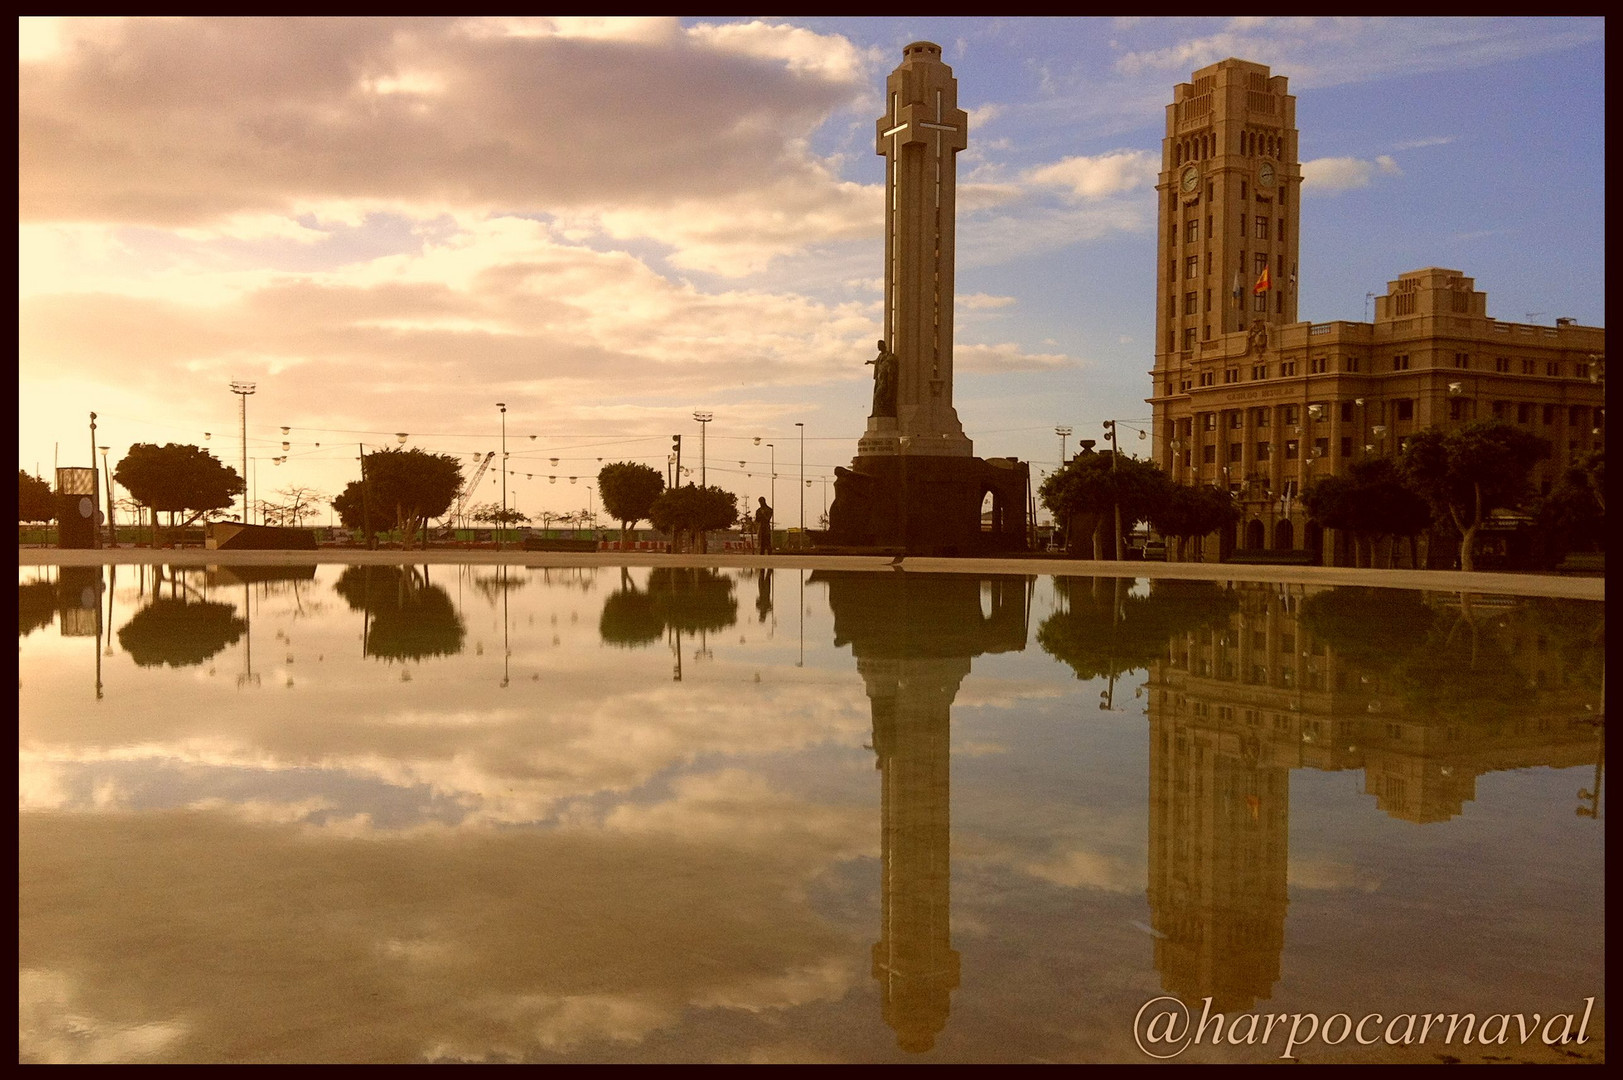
(468, 488)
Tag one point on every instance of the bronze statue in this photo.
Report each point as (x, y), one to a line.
(884, 382)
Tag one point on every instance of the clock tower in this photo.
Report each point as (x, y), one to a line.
(1229, 208)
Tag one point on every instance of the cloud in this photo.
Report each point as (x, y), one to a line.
(1332, 174)
(1101, 175)
(1428, 140)
(992, 359)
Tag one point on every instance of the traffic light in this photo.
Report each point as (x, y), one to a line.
(676, 444)
(676, 450)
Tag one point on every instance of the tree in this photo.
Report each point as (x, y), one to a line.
(1469, 472)
(400, 489)
(34, 502)
(294, 504)
(628, 490)
(1572, 517)
(493, 514)
(1093, 484)
(178, 479)
(693, 510)
(1194, 511)
(1371, 500)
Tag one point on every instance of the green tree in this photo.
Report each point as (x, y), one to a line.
(400, 489)
(1572, 517)
(34, 501)
(1469, 472)
(694, 511)
(628, 490)
(177, 479)
(1370, 500)
(493, 514)
(1194, 511)
(1094, 484)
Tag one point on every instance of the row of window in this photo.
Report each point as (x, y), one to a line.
(1260, 226)
(1525, 412)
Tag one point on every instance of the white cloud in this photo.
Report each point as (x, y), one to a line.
(1100, 175)
(1332, 174)
(1423, 141)
(990, 359)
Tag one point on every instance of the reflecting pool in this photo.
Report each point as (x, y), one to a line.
(441, 813)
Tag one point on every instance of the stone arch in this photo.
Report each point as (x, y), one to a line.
(1254, 535)
(1284, 535)
(1313, 540)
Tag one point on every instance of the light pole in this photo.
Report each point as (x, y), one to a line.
(112, 530)
(704, 419)
(242, 390)
(802, 428)
(502, 405)
(1063, 431)
(1115, 452)
(95, 496)
(773, 480)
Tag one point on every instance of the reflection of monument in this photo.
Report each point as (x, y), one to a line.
(1333, 680)
(914, 482)
(913, 638)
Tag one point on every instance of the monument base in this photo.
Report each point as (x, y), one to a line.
(929, 504)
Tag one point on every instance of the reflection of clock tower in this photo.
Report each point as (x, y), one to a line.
(1229, 195)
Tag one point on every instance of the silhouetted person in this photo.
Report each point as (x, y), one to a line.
(763, 527)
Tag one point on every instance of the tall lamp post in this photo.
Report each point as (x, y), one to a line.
(95, 496)
(1063, 431)
(1115, 452)
(112, 530)
(502, 405)
(242, 390)
(704, 419)
(773, 481)
(802, 428)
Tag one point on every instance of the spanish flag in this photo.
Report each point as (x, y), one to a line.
(1262, 282)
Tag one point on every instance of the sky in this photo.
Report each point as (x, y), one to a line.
(388, 226)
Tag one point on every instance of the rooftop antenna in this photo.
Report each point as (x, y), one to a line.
(1369, 298)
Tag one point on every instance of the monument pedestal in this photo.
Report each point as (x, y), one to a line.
(929, 504)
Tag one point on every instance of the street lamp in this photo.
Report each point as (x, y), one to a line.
(502, 405)
(704, 419)
(242, 390)
(774, 477)
(802, 428)
(1064, 432)
(112, 529)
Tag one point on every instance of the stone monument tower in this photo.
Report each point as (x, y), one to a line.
(919, 137)
(915, 483)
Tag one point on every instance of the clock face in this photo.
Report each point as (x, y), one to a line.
(1191, 179)
(1265, 175)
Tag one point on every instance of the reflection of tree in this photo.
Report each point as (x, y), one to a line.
(409, 618)
(36, 603)
(180, 633)
(1375, 629)
(491, 588)
(1100, 637)
(675, 598)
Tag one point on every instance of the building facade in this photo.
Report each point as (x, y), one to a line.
(1249, 398)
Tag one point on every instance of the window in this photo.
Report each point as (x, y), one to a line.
(1191, 267)
(1234, 451)
(1259, 371)
(1405, 408)
(1259, 263)
(1262, 451)
(1206, 334)
(1208, 421)
(1208, 305)
(1208, 262)
(1287, 367)
(1400, 362)
(1281, 233)
(1346, 412)
(1260, 416)
(1319, 365)
(1321, 448)
(1260, 302)
(1208, 454)
(1524, 412)
(1279, 302)
(1499, 409)
(1350, 364)
(1462, 360)
(1575, 416)
(1346, 446)
(1501, 364)
(1235, 420)
(1261, 229)
(1186, 459)
(1188, 339)
(1191, 231)
(1552, 368)
(1243, 194)
(1549, 414)
(1172, 272)
(1191, 303)
(1231, 375)
(1456, 409)
(1529, 366)
(1291, 453)
(1184, 386)
(1207, 378)
(1293, 414)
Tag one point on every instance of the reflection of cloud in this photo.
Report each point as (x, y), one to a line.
(53, 1026)
(1326, 874)
(1088, 870)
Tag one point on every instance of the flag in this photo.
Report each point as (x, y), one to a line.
(1262, 282)
(1237, 288)
(1293, 277)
